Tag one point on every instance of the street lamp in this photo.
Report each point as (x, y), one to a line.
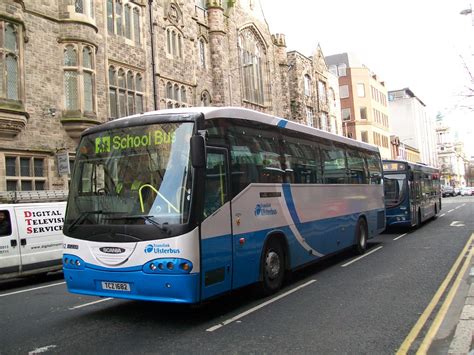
(468, 12)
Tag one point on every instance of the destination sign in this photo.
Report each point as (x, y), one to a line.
(106, 144)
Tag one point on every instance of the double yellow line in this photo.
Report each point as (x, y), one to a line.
(444, 308)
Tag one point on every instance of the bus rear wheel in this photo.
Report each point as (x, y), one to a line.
(272, 268)
(361, 236)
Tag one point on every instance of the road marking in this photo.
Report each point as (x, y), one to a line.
(256, 308)
(457, 224)
(400, 236)
(444, 308)
(434, 301)
(457, 207)
(90, 303)
(444, 214)
(451, 210)
(42, 349)
(362, 256)
(32, 289)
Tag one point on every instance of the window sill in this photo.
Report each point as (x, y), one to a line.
(13, 118)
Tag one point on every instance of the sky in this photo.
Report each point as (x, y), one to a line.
(425, 45)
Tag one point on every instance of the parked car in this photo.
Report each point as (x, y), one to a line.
(467, 191)
(457, 191)
(447, 191)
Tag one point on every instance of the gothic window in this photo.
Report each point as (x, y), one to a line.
(174, 41)
(322, 91)
(307, 85)
(125, 92)
(79, 78)
(202, 53)
(176, 96)
(183, 94)
(110, 16)
(136, 25)
(128, 22)
(252, 61)
(123, 19)
(9, 61)
(85, 7)
(169, 91)
(205, 99)
(118, 18)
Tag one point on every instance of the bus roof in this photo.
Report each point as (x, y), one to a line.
(251, 115)
(414, 165)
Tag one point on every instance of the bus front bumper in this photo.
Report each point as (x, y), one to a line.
(398, 220)
(141, 286)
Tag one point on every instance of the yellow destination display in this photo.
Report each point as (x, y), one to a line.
(105, 144)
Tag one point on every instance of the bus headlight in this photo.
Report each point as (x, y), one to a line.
(72, 262)
(168, 266)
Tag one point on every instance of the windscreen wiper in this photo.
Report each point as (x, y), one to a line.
(81, 219)
(163, 227)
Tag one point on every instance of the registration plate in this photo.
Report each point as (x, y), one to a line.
(116, 286)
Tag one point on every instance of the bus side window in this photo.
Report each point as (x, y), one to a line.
(356, 166)
(375, 169)
(334, 164)
(5, 224)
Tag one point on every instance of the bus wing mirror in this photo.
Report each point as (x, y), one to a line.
(198, 152)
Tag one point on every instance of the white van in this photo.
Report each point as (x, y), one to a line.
(31, 233)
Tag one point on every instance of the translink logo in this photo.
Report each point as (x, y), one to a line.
(102, 145)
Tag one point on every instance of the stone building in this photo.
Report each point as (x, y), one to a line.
(314, 92)
(66, 65)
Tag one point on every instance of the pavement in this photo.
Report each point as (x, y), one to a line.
(463, 339)
(456, 332)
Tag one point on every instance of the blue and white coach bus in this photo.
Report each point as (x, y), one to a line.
(221, 198)
(412, 193)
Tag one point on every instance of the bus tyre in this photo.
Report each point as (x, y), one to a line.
(418, 220)
(361, 236)
(273, 268)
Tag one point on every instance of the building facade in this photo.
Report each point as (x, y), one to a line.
(411, 123)
(66, 65)
(364, 106)
(452, 159)
(314, 92)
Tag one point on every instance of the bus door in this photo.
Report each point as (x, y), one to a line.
(216, 228)
(9, 243)
(416, 198)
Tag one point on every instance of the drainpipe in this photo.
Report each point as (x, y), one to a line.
(153, 69)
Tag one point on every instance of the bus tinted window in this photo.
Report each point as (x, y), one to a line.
(334, 164)
(301, 161)
(357, 168)
(375, 168)
(255, 157)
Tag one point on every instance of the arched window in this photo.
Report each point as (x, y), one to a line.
(71, 78)
(307, 85)
(136, 25)
(252, 60)
(79, 78)
(88, 77)
(118, 18)
(85, 7)
(176, 96)
(183, 95)
(128, 21)
(125, 92)
(202, 53)
(169, 91)
(205, 99)
(174, 43)
(9, 66)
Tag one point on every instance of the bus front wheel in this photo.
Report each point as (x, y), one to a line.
(273, 267)
(361, 236)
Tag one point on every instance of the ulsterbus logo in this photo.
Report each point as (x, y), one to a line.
(265, 209)
(160, 249)
(102, 145)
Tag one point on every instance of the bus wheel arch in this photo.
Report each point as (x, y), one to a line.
(274, 262)
(361, 235)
